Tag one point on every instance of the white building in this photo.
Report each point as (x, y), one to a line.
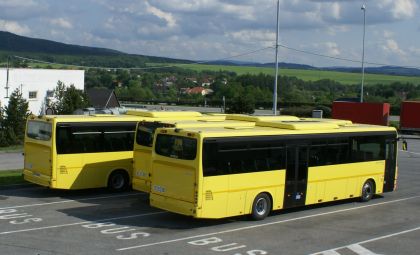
(37, 84)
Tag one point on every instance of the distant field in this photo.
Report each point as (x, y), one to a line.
(307, 75)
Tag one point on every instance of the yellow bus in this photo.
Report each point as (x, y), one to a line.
(219, 172)
(144, 142)
(84, 151)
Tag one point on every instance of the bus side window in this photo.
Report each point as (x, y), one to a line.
(63, 140)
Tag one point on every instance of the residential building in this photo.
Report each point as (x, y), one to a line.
(36, 85)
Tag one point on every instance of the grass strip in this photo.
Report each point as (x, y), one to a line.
(13, 148)
(10, 177)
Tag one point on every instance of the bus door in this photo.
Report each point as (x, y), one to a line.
(296, 175)
(390, 165)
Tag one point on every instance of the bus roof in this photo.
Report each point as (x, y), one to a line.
(164, 114)
(201, 123)
(132, 115)
(85, 118)
(280, 128)
(336, 121)
(243, 117)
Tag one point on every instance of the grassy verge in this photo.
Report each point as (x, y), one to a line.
(9, 177)
(14, 148)
(306, 75)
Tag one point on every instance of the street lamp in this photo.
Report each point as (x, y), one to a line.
(277, 62)
(363, 52)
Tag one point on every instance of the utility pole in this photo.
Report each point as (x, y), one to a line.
(277, 62)
(363, 53)
(7, 78)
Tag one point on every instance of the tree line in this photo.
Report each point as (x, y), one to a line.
(13, 116)
(255, 90)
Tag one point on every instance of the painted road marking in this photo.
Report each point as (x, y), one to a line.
(264, 224)
(223, 247)
(415, 153)
(80, 223)
(356, 247)
(72, 200)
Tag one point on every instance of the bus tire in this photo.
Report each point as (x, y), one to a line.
(368, 190)
(261, 207)
(118, 181)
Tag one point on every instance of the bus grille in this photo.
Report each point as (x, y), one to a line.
(209, 195)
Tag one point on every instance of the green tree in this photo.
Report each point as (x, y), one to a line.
(73, 99)
(14, 121)
(59, 93)
(68, 99)
(242, 104)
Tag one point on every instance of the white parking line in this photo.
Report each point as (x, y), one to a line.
(367, 241)
(264, 224)
(80, 223)
(410, 152)
(72, 200)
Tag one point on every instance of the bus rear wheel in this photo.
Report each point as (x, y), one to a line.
(118, 181)
(261, 207)
(368, 190)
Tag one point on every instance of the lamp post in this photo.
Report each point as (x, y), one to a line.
(363, 52)
(277, 62)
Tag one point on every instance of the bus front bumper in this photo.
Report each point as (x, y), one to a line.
(173, 205)
(40, 179)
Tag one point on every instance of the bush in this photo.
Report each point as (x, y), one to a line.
(8, 137)
(241, 105)
(326, 111)
(299, 111)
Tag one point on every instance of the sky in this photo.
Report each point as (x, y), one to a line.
(219, 29)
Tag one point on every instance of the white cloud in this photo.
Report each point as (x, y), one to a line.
(388, 34)
(61, 22)
(252, 36)
(168, 17)
(241, 11)
(17, 3)
(391, 46)
(14, 27)
(400, 9)
(414, 50)
(336, 10)
(332, 49)
(404, 8)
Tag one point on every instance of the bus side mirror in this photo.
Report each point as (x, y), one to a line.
(404, 145)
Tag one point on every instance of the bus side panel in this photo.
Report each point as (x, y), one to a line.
(214, 197)
(243, 188)
(142, 169)
(90, 170)
(335, 182)
(232, 195)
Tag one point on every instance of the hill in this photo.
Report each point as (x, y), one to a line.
(51, 51)
(16, 43)
(388, 70)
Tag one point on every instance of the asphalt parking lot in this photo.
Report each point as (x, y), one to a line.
(35, 220)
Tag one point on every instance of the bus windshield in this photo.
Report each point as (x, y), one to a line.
(176, 147)
(39, 130)
(146, 130)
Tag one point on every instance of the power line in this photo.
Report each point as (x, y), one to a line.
(343, 59)
(144, 68)
(221, 59)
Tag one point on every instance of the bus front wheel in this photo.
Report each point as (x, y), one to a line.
(368, 190)
(261, 207)
(118, 181)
